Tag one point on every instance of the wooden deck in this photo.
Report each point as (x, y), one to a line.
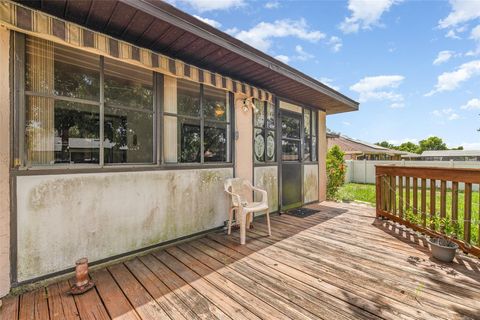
(339, 263)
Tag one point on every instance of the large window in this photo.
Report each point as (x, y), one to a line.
(264, 145)
(196, 123)
(64, 91)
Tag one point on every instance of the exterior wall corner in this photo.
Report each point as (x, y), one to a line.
(4, 161)
(322, 156)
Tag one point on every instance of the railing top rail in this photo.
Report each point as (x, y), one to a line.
(467, 175)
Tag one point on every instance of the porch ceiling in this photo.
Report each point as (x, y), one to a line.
(158, 26)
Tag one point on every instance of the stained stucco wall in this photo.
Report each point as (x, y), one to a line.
(64, 217)
(4, 162)
(310, 183)
(322, 156)
(267, 179)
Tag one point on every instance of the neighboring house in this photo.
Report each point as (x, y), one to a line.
(445, 155)
(360, 150)
(120, 121)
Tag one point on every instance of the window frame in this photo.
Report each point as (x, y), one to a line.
(18, 105)
(313, 134)
(266, 130)
(202, 119)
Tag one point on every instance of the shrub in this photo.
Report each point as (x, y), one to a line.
(335, 171)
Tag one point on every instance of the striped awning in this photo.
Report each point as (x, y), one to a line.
(22, 19)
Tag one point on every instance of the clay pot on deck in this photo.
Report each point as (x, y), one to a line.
(443, 249)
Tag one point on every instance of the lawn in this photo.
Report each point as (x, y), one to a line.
(366, 193)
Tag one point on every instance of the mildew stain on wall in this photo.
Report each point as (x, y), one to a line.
(310, 183)
(267, 178)
(64, 217)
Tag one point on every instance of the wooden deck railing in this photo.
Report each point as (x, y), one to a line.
(417, 197)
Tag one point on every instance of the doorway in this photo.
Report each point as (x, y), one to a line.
(290, 160)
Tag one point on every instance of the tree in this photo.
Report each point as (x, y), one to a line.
(335, 171)
(385, 144)
(409, 147)
(432, 143)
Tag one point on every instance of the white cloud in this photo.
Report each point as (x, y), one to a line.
(471, 104)
(449, 81)
(380, 88)
(283, 58)
(443, 56)
(471, 145)
(232, 31)
(365, 14)
(397, 105)
(475, 33)
(329, 82)
(260, 36)
(302, 54)
(336, 43)
(346, 123)
(462, 11)
(447, 113)
(211, 22)
(451, 34)
(272, 5)
(210, 5)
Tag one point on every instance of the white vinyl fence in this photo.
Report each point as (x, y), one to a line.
(363, 171)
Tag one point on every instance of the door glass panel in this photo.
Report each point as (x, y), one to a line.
(290, 150)
(291, 127)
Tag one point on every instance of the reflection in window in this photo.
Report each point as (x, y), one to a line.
(307, 137)
(186, 132)
(190, 140)
(290, 150)
(70, 133)
(290, 127)
(128, 124)
(188, 98)
(215, 104)
(58, 130)
(63, 107)
(264, 147)
(215, 142)
(128, 136)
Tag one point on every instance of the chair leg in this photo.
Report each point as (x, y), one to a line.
(243, 226)
(268, 223)
(230, 217)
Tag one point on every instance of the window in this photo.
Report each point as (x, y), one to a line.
(62, 120)
(63, 108)
(264, 132)
(129, 116)
(196, 123)
(309, 135)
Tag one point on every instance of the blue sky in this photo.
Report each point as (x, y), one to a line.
(413, 65)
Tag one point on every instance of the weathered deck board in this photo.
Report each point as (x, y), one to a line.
(340, 263)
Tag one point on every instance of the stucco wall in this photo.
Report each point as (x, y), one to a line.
(4, 162)
(243, 145)
(267, 179)
(322, 156)
(64, 217)
(310, 183)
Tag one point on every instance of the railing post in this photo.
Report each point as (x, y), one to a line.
(378, 192)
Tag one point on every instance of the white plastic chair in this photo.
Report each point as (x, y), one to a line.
(239, 190)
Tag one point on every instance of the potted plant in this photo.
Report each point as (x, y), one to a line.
(442, 247)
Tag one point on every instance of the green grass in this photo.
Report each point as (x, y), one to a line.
(366, 193)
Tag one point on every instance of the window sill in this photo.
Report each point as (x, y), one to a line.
(112, 168)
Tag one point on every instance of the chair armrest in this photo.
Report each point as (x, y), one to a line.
(234, 195)
(264, 194)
